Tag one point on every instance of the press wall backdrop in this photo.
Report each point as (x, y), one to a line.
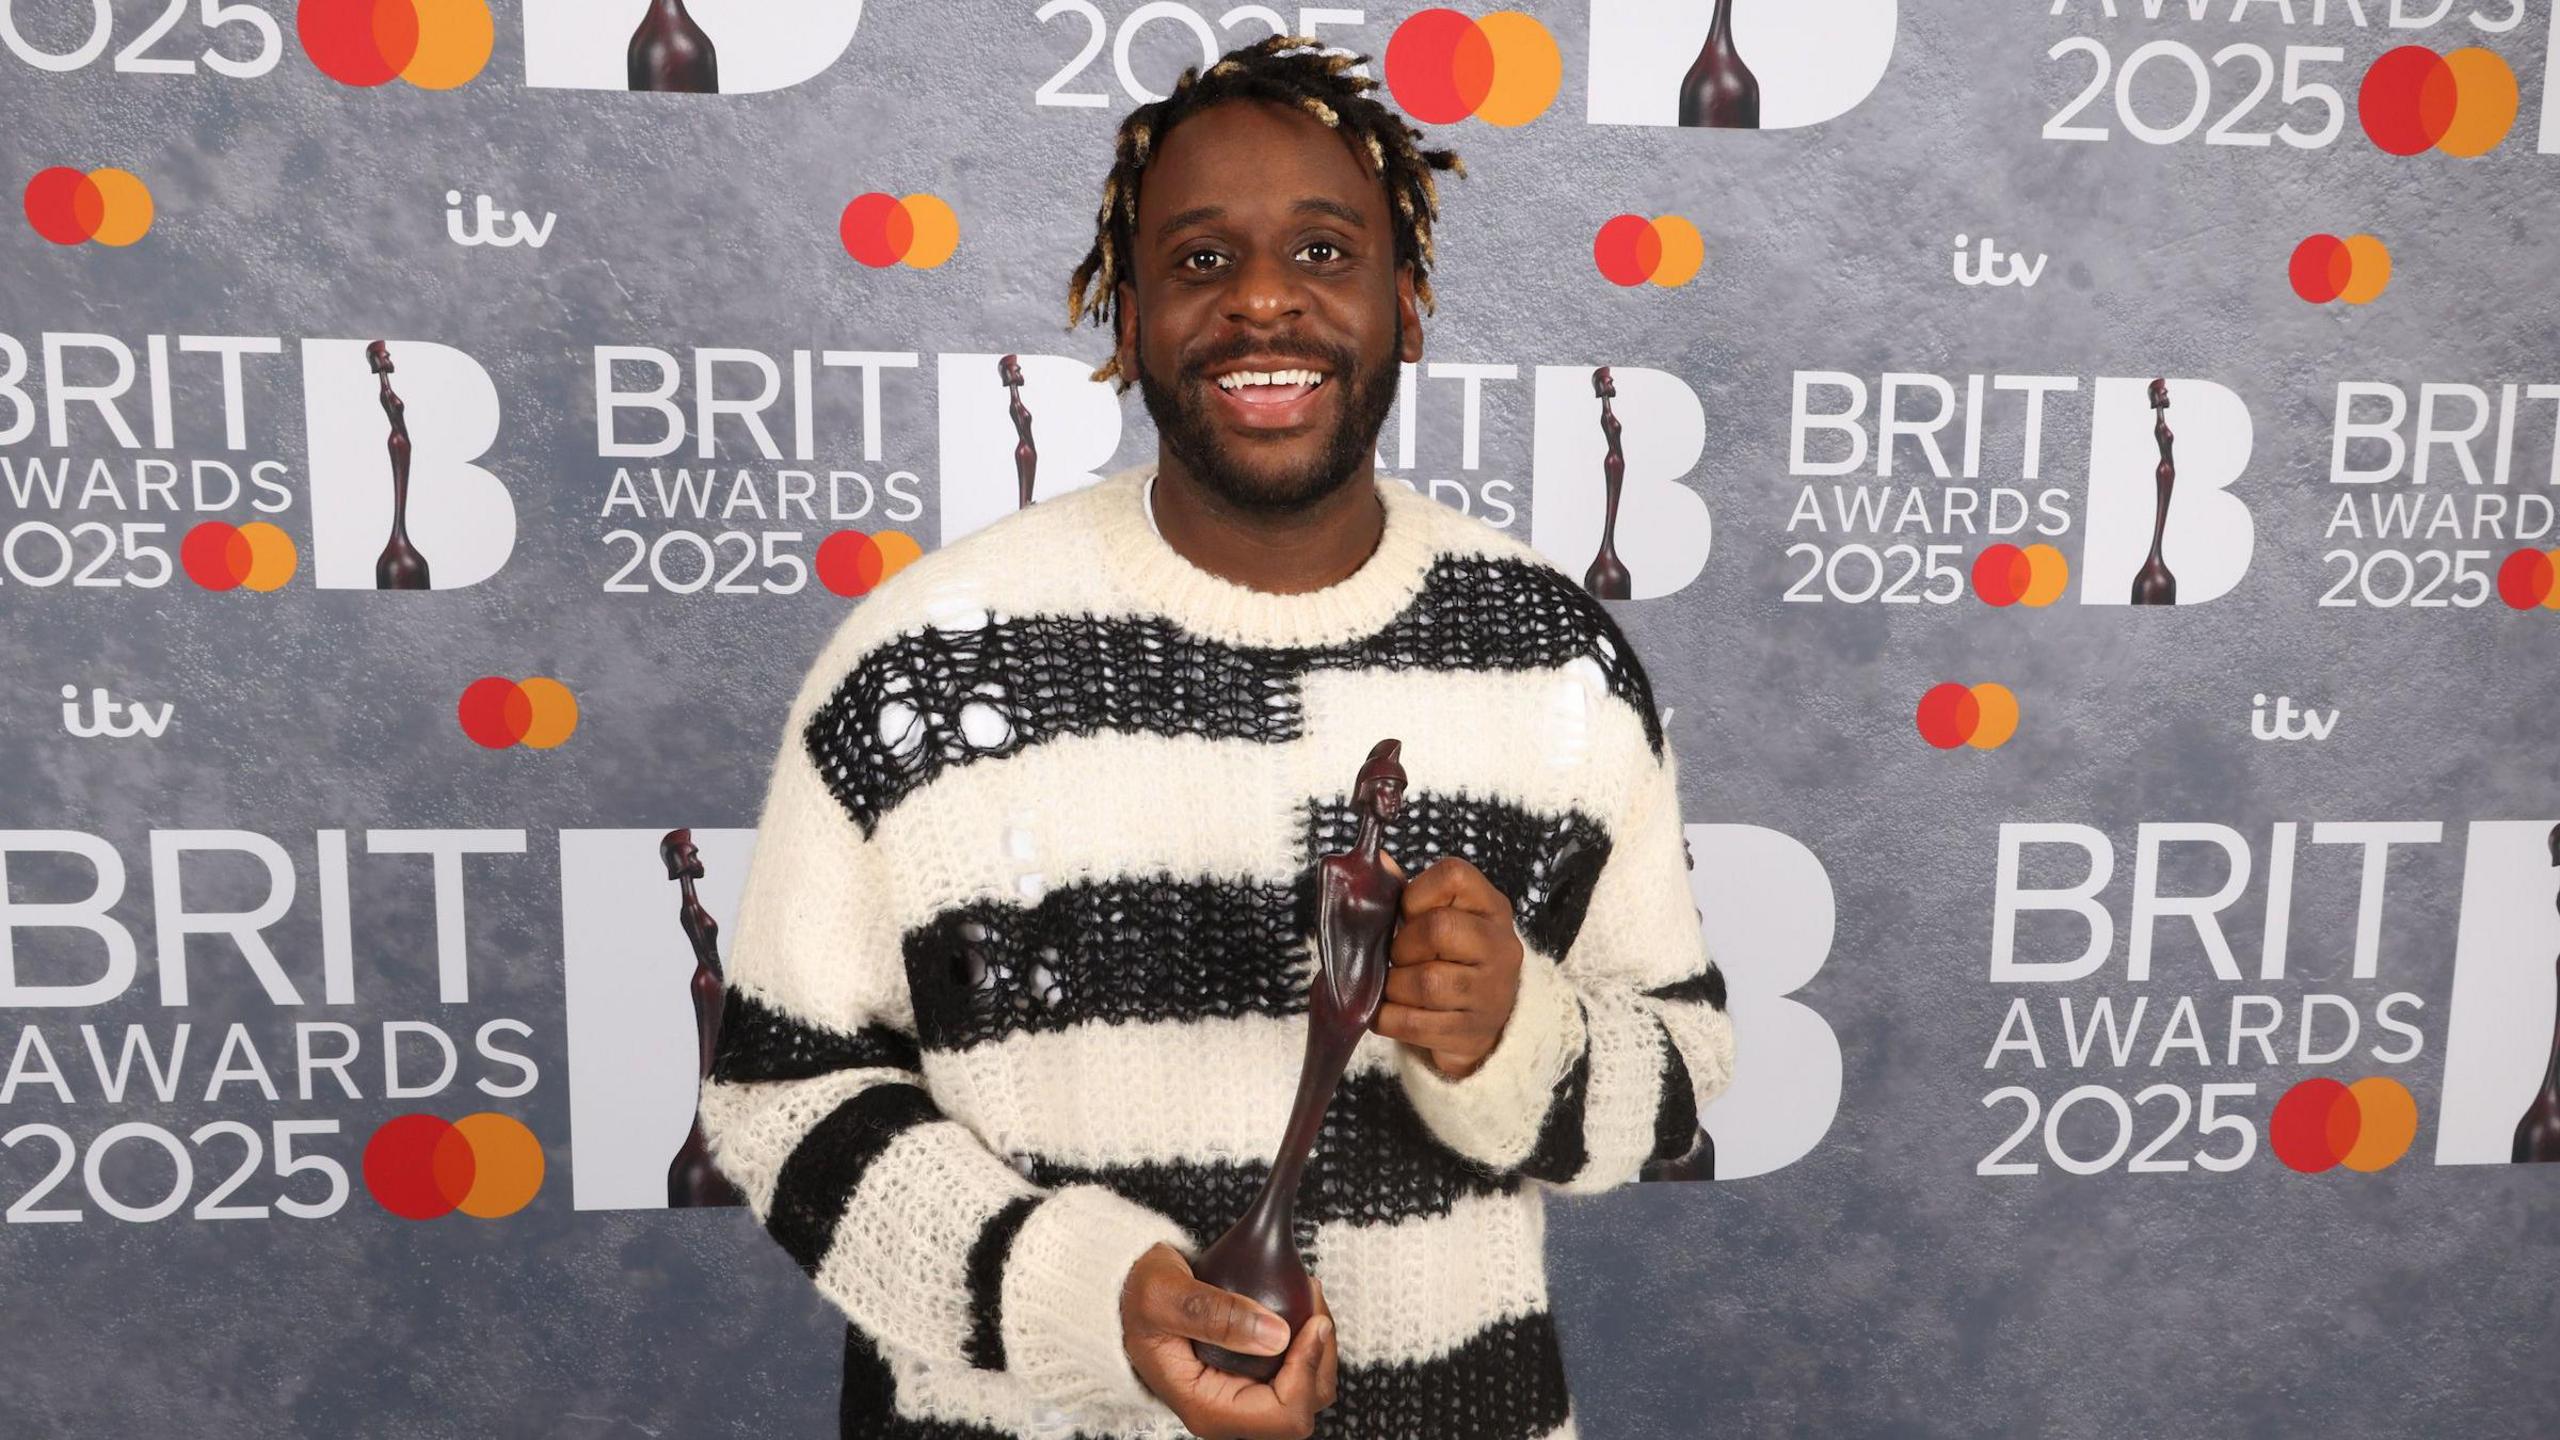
(2137, 1002)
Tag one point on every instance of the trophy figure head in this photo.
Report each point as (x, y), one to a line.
(1603, 384)
(2160, 394)
(1380, 789)
(1010, 369)
(677, 851)
(378, 356)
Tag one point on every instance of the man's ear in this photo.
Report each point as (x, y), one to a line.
(1410, 308)
(1126, 338)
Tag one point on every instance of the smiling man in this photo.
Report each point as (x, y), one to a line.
(1020, 981)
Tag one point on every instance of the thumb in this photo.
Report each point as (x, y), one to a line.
(1297, 1384)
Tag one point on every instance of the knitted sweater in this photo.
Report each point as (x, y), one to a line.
(1019, 981)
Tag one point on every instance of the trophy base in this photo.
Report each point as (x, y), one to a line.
(1251, 1367)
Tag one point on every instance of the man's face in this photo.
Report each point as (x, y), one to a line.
(1267, 312)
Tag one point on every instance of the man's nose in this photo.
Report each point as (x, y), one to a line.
(1267, 290)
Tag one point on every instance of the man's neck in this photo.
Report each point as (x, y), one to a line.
(1321, 545)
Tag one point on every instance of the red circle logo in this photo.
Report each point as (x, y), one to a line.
(2320, 1123)
(880, 230)
(1666, 250)
(2527, 578)
(71, 207)
(2326, 268)
(497, 712)
(420, 1167)
(432, 44)
(1983, 716)
(2033, 576)
(221, 556)
(1444, 66)
(2413, 99)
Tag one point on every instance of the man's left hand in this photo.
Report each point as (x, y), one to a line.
(1455, 967)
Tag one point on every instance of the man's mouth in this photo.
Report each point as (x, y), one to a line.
(1268, 396)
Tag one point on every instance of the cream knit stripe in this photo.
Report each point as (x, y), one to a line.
(898, 1265)
(1418, 1288)
(754, 1128)
(1012, 828)
(812, 936)
(1061, 1307)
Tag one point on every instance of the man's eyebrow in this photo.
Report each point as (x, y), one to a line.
(1313, 204)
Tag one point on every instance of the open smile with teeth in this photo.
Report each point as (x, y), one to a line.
(1270, 387)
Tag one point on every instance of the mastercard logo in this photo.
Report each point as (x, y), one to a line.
(221, 556)
(67, 207)
(1443, 67)
(2321, 1123)
(1983, 716)
(497, 712)
(883, 230)
(2034, 576)
(2413, 99)
(420, 1167)
(432, 44)
(2326, 268)
(1666, 250)
(2528, 578)
(850, 562)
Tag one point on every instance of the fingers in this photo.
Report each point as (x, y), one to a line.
(1452, 880)
(1196, 1310)
(1302, 1386)
(1328, 1384)
(1447, 933)
(1429, 1029)
(1436, 985)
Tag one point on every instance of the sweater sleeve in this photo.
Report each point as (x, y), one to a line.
(818, 1107)
(1613, 1048)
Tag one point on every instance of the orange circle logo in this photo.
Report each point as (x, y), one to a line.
(1443, 66)
(1666, 250)
(1983, 716)
(883, 230)
(221, 556)
(2326, 268)
(2413, 99)
(2527, 578)
(2320, 1123)
(850, 562)
(2005, 575)
(67, 207)
(497, 712)
(432, 44)
(419, 1167)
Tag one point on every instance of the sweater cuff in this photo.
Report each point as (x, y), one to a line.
(1061, 1303)
(1494, 1115)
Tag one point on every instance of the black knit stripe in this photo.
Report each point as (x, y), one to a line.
(759, 1042)
(1675, 1120)
(1374, 1162)
(816, 1183)
(1134, 950)
(1706, 985)
(1505, 1383)
(867, 1409)
(1547, 865)
(1561, 1151)
(923, 702)
(985, 1345)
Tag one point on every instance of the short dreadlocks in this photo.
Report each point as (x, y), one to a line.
(1288, 70)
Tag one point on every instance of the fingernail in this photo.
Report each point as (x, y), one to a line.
(1272, 1332)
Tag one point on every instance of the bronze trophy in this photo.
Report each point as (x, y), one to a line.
(692, 1179)
(1026, 457)
(1358, 900)
(1607, 579)
(669, 52)
(2538, 1133)
(400, 566)
(1719, 90)
(2155, 585)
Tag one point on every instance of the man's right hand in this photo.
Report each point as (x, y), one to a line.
(1163, 1309)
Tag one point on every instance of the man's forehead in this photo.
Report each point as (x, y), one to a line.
(1325, 166)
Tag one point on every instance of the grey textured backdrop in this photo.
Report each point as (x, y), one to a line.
(1879, 1286)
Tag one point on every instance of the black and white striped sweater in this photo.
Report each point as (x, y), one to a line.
(1020, 974)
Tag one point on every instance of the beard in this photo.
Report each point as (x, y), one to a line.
(1181, 415)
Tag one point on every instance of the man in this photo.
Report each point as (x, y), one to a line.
(1020, 983)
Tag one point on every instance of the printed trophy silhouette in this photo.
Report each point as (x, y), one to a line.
(1719, 90)
(692, 1179)
(400, 566)
(2538, 1133)
(1026, 457)
(1357, 901)
(670, 52)
(2155, 585)
(1607, 579)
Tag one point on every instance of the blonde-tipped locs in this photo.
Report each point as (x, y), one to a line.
(1287, 70)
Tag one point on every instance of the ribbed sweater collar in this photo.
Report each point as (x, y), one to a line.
(1157, 576)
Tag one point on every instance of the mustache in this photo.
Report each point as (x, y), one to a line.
(1337, 360)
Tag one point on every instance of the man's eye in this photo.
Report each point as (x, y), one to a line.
(1202, 260)
(1321, 251)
